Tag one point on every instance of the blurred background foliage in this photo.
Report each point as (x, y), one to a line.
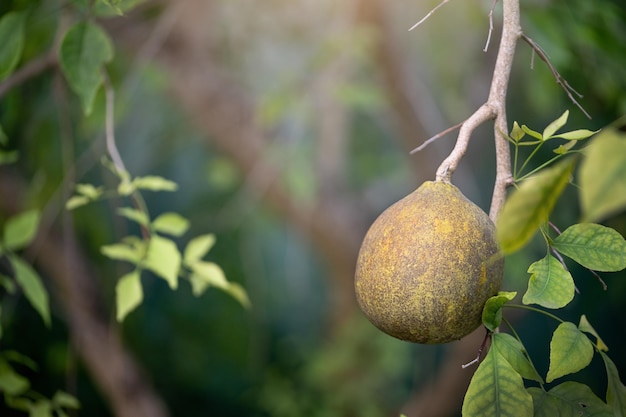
(336, 94)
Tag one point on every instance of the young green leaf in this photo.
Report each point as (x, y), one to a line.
(89, 190)
(171, 223)
(569, 399)
(238, 293)
(530, 206)
(30, 282)
(164, 259)
(492, 311)
(576, 135)
(594, 246)
(616, 391)
(563, 149)
(135, 215)
(198, 247)
(585, 326)
(603, 176)
(513, 351)
(555, 125)
(549, 285)
(84, 50)
(76, 201)
(128, 294)
(11, 383)
(20, 230)
(496, 390)
(12, 35)
(516, 132)
(532, 133)
(154, 183)
(205, 275)
(123, 252)
(570, 351)
(40, 408)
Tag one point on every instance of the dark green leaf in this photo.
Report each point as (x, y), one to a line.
(530, 206)
(33, 288)
(569, 399)
(12, 35)
(570, 351)
(513, 351)
(11, 382)
(603, 176)
(492, 311)
(128, 294)
(616, 391)
(41, 408)
(8, 157)
(65, 400)
(549, 285)
(594, 246)
(84, 50)
(20, 230)
(164, 259)
(496, 390)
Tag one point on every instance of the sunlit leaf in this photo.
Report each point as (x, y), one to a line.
(123, 252)
(34, 291)
(171, 223)
(513, 351)
(549, 285)
(585, 326)
(496, 390)
(603, 176)
(11, 382)
(154, 183)
(198, 247)
(12, 35)
(532, 133)
(530, 206)
(135, 215)
(20, 230)
(555, 125)
(492, 311)
(77, 201)
(205, 275)
(616, 391)
(128, 294)
(84, 50)
(594, 246)
(238, 293)
(517, 133)
(563, 149)
(576, 135)
(570, 351)
(164, 259)
(89, 190)
(569, 399)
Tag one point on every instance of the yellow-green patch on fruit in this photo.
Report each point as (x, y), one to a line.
(427, 266)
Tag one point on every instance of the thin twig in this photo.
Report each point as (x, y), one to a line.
(480, 351)
(493, 6)
(434, 138)
(28, 71)
(595, 274)
(428, 15)
(569, 90)
(110, 125)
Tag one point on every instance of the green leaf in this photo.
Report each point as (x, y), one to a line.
(128, 294)
(107, 8)
(154, 183)
(198, 247)
(84, 50)
(569, 399)
(513, 351)
(532, 133)
(594, 246)
(616, 391)
(124, 252)
(65, 400)
(171, 223)
(238, 293)
(41, 408)
(570, 351)
(549, 285)
(576, 135)
(585, 326)
(496, 390)
(530, 206)
(164, 259)
(77, 201)
(563, 149)
(20, 230)
(603, 176)
(8, 157)
(492, 311)
(11, 382)
(516, 132)
(12, 35)
(135, 215)
(205, 275)
(89, 190)
(33, 288)
(555, 125)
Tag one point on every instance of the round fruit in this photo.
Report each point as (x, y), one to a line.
(427, 266)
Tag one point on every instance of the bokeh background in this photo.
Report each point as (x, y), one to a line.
(288, 126)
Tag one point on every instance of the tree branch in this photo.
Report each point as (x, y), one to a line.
(28, 71)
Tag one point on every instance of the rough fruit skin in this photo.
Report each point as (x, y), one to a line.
(427, 266)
